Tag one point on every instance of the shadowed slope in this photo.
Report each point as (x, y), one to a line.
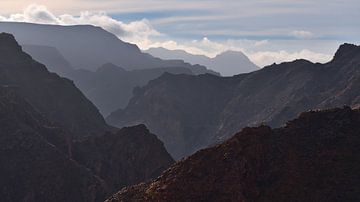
(313, 158)
(197, 111)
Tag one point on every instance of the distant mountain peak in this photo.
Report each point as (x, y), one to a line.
(228, 63)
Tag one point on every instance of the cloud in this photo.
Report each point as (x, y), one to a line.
(34, 13)
(260, 58)
(136, 31)
(270, 57)
(302, 34)
(142, 33)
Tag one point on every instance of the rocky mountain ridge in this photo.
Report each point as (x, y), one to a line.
(313, 158)
(55, 97)
(207, 109)
(42, 158)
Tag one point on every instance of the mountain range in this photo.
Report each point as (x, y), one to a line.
(192, 112)
(86, 46)
(228, 63)
(313, 158)
(91, 57)
(55, 97)
(111, 87)
(56, 146)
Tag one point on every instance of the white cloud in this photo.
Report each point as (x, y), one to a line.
(260, 58)
(269, 57)
(34, 13)
(302, 34)
(135, 32)
(146, 36)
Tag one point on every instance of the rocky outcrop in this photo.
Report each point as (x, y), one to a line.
(127, 157)
(192, 112)
(313, 158)
(55, 97)
(34, 158)
(39, 162)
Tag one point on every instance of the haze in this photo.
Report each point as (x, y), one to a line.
(266, 31)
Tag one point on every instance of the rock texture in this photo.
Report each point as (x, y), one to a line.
(127, 157)
(192, 112)
(313, 158)
(34, 162)
(39, 160)
(55, 97)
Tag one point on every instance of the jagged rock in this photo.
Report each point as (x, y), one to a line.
(130, 156)
(34, 158)
(313, 158)
(39, 160)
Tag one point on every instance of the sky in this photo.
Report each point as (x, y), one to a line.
(267, 31)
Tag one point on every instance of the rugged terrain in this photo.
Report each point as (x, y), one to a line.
(39, 162)
(55, 97)
(94, 59)
(129, 156)
(43, 158)
(313, 158)
(192, 112)
(34, 162)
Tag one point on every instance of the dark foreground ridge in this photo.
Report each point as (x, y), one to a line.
(39, 160)
(34, 161)
(129, 156)
(314, 158)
